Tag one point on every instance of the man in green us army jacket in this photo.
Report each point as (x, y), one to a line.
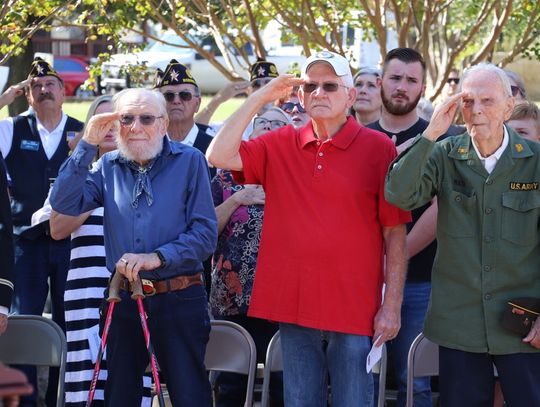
(487, 184)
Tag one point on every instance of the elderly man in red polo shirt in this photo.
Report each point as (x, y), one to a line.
(326, 231)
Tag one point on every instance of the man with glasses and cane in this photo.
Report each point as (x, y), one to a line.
(159, 224)
(326, 229)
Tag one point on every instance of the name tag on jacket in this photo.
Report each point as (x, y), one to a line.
(29, 145)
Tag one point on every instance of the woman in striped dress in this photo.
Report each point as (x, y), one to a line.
(85, 285)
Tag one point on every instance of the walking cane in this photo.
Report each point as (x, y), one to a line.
(112, 299)
(137, 294)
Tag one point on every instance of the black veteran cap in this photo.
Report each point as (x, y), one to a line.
(262, 69)
(175, 74)
(41, 68)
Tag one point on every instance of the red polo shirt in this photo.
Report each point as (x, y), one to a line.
(320, 262)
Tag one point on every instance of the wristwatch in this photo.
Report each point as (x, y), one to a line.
(161, 258)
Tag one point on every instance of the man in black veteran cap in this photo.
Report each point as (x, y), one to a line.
(183, 100)
(262, 72)
(183, 97)
(34, 145)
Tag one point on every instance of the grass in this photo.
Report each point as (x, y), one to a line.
(78, 109)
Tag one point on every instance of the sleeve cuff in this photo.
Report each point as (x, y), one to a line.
(84, 153)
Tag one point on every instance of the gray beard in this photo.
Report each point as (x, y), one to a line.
(140, 153)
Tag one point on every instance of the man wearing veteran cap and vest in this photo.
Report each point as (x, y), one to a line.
(326, 230)
(260, 75)
(183, 98)
(486, 181)
(34, 145)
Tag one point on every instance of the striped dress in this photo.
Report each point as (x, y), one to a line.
(85, 285)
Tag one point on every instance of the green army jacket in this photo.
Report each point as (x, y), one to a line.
(487, 231)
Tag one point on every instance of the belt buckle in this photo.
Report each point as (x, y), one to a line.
(148, 287)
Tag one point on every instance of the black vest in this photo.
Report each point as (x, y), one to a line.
(31, 172)
(202, 142)
(7, 256)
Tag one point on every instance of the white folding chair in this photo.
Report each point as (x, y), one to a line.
(232, 349)
(274, 363)
(35, 340)
(423, 360)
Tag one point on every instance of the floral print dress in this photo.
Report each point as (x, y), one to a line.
(233, 263)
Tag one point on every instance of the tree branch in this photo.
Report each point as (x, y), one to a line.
(489, 44)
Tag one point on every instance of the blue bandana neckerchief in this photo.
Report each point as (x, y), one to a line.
(142, 183)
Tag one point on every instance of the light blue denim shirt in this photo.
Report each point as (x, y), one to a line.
(180, 222)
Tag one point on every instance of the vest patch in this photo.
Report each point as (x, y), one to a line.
(30, 145)
(523, 186)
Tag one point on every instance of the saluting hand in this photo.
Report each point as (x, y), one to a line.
(443, 116)
(279, 88)
(98, 127)
(234, 89)
(13, 92)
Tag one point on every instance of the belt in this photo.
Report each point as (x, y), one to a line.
(151, 287)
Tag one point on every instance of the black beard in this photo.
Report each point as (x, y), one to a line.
(398, 110)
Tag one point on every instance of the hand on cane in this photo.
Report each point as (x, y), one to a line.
(130, 264)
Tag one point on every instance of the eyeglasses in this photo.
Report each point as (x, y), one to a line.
(450, 80)
(262, 122)
(182, 95)
(259, 83)
(288, 107)
(326, 86)
(516, 90)
(145, 119)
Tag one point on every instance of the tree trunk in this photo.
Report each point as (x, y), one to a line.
(19, 66)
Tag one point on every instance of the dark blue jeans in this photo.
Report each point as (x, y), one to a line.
(231, 387)
(413, 313)
(179, 331)
(466, 379)
(36, 263)
(312, 356)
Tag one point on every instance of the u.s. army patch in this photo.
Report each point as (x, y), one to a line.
(523, 186)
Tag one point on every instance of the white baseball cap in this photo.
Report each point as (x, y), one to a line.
(339, 64)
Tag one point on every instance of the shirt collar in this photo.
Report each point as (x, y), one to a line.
(191, 136)
(342, 139)
(59, 129)
(497, 154)
(518, 146)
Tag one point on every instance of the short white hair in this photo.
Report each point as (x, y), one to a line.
(286, 117)
(489, 67)
(154, 98)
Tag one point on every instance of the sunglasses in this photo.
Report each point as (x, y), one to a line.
(145, 119)
(288, 107)
(262, 122)
(259, 83)
(516, 90)
(182, 95)
(326, 86)
(450, 80)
